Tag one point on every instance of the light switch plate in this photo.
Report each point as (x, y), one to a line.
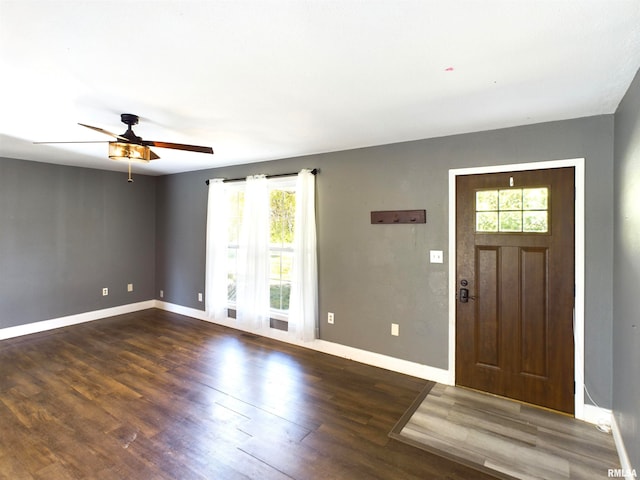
(436, 256)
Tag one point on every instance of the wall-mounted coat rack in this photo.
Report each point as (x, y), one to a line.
(398, 216)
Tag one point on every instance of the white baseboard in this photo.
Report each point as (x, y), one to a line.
(602, 416)
(44, 325)
(406, 367)
(188, 311)
(596, 415)
(625, 463)
(592, 414)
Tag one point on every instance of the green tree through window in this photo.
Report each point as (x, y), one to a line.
(283, 207)
(513, 210)
(283, 211)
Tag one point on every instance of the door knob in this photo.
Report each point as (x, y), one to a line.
(463, 294)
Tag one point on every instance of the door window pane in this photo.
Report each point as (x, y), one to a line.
(535, 221)
(511, 199)
(510, 221)
(487, 200)
(486, 221)
(534, 198)
(512, 210)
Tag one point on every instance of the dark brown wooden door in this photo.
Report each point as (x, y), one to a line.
(515, 258)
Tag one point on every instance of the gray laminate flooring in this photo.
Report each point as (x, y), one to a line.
(506, 438)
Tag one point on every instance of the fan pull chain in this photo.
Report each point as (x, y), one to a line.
(130, 180)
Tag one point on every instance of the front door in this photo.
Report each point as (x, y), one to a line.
(515, 285)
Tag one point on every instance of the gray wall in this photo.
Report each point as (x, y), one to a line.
(373, 275)
(67, 232)
(626, 278)
(181, 213)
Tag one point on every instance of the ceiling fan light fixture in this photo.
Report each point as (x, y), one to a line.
(129, 152)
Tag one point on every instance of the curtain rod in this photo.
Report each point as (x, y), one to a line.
(277, 175)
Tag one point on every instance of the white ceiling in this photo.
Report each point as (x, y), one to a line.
(265, 79)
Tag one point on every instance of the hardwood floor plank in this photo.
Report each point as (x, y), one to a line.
(158, 395)
(56, 470)
(369, 459)
(12, 469)
(298, 461)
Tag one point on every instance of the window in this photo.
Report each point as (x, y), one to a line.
(256, 271)
(236, 204)
(282, 197)
(283, 211)
(512, 210)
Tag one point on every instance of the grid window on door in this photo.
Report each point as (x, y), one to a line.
(512, 210)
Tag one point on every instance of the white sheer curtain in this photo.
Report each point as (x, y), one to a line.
(216, 251)
(303, 306)
(253, 256)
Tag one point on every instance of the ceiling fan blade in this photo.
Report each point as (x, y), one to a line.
(152, 155)
(102, 130)
(80, 141)
(179, 146)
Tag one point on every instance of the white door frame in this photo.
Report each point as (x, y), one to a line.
(578, 312)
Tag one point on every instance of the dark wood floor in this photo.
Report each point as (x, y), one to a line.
(155, 395)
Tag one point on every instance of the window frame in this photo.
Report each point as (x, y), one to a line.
(521, 211)
(283, 183)
(286, 184)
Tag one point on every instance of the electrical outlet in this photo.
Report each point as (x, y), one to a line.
(105, 292)
(330, 318)
(199, 296)
(161, 293)
(395, 329)
(129, 287)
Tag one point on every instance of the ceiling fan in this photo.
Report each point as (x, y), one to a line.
(132, 148)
